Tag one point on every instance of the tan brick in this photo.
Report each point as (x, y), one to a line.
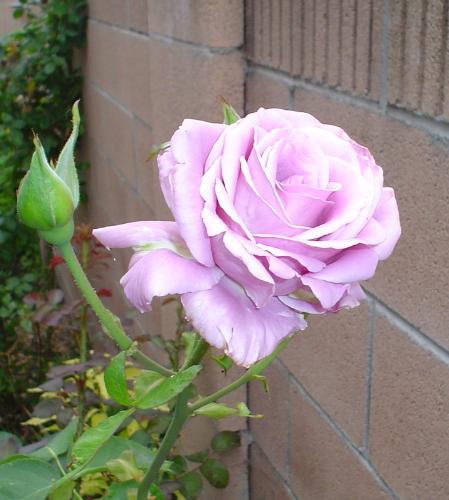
(7, 22)
(330, 359)
(215, 23)
(257, 31)
(147, 173)
(265, 482)
(434, 57)
(396, 52)
(249, 33)
(308, 28)
(273, 427)
(297, 37)
(414, 279)
(188, 82)
(320, 35)
(347, 44)
(445, 80)
(376, 58)
(110, 127)
(409, 416)
(286, 35)
(126, 76)
(276, 33)
(362, 47)
(138, 15)
(111, 11)
(334, 43)
(323, 467)
(266, 91)
(266, 33)
(413, 57)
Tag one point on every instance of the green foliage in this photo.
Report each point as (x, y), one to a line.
(215, 472)
(88, 444)
(26, 478)
(225, 441)
(39, 81)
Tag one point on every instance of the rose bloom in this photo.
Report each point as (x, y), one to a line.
(276, 215)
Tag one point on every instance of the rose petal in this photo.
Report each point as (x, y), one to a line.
(164, 272)
(190, 147)
(387, 215)
(353, 265)
(139, 233)
(228, 320)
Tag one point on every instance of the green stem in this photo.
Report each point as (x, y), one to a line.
(256, 369)
(111, 324)
(181, 414)
(82, 376)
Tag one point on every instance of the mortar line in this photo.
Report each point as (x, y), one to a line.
(344, 438)
(369, 381)
(413, 333)
(432, 126)
(169, 39)
(277, 473)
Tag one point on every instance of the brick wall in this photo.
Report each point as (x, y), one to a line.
(366, 416)
(359, 403)
(7, 22)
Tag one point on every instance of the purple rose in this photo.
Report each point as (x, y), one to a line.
(275, 216)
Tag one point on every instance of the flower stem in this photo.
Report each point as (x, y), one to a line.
(255, 369)
(181, 414)
(111, 324)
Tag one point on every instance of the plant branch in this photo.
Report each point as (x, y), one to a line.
(255, 369)
(111, 324)
(181, 414)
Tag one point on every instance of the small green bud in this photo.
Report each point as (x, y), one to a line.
(48, 197)
(44, 201)
(216, 411)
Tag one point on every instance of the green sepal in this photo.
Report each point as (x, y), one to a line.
(44, 201)
(65, 166)
(230, 115)
(58, 235)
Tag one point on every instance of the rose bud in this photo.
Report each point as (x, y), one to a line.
(47, 197)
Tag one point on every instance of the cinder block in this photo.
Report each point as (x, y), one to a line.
(265, 91)
(347, 44)
(187, 82)
(434, 49)
(110, 127)
(320, 36)
(7, 22)
(396, 52)
(413, 281)
(214, 23)
(126, 76)
(308, 48)
(265, 482)
(334, 43)
(270, 432)
(362, 47)
(110, 11)
(138, 15)
(147, 172)
(413, 54)
(297, 37)
(323, 467)
(409, 416)
(330, 358)
(286, 35)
